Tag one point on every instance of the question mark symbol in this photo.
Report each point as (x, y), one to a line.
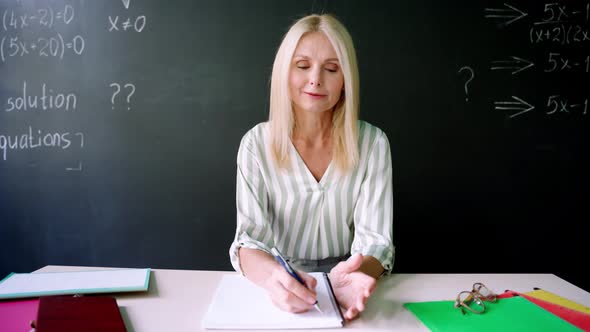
(115, 94)
(468, 80)
(129, 85)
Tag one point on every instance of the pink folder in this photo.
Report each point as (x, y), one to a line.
(574, 317)
(16, 315)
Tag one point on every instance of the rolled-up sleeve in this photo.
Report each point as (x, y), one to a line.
(253, 227)
(373, 213)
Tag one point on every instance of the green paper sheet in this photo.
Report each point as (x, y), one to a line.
(506, 315)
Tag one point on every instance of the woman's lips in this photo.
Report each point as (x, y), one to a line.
(314, 95)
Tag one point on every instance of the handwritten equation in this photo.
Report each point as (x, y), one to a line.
(136, 24)
(554, 62)
(43, 17)
(56, 47)
(556, 13)
(557, 34)
(553, 13)
(36, 33)
(562, 34)
(556, 104)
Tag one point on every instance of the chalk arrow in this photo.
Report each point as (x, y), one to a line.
(517, 105)
(126, 3)
(516, 63)
(511, 12)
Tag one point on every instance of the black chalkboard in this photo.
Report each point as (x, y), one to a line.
(120, 123)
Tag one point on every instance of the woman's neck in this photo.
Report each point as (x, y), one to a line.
(312, 129)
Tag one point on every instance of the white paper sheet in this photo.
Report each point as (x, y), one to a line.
(240, 304)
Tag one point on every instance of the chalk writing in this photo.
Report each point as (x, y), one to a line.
(563, 34)
(516, 104)
(513, 63)
(559, 62)
(48, 99)
(44, 17)
(75, 169)
(555, 13)
(507, 15)
(133, 24)
(117, 88)
(55, 46)
(556, 104)
(36, 139)
(562, 26)
(559, 104)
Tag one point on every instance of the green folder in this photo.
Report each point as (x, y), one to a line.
(506, 315)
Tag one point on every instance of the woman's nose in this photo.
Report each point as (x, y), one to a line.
(315, 78)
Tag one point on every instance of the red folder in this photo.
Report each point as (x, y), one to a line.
(574, 317)
(16, 315)
(79, 313)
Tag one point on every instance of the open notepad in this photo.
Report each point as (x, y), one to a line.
(240, 304)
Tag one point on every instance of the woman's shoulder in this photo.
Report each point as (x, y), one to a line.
(255, 135)
(367, 130)
(372, 141)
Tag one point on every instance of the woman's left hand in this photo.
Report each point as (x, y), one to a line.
(352, 287)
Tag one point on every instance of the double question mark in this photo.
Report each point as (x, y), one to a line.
(117, 87)
(471, 76)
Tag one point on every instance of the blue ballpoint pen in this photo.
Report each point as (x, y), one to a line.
(290, 270)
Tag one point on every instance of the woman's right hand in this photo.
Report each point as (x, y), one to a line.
(287, 293)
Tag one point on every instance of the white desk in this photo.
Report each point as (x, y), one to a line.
(178, 299)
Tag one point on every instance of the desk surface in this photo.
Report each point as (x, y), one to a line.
(178, 299)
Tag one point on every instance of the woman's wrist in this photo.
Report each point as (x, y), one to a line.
(257, 265)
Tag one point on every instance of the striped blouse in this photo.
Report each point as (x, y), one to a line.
(307, 219)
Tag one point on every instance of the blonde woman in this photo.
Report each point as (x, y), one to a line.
(314, 181)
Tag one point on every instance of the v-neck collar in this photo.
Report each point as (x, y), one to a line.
(322, 182)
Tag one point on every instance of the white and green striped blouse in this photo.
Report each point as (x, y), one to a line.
(307, 219)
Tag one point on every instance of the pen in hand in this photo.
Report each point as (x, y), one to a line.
(277, 254)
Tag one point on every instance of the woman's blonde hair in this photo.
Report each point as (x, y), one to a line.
(345, 117)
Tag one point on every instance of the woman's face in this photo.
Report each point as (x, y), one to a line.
(315, 77)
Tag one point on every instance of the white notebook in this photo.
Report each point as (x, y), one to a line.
(240, 304)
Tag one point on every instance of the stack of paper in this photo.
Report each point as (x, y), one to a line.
(16, 313)
(512, 312)
(554, 298)
(559, 306)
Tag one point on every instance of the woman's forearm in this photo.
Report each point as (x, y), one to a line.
(256, 265)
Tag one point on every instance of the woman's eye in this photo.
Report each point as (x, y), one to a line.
(332, 69)
(302, 64)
